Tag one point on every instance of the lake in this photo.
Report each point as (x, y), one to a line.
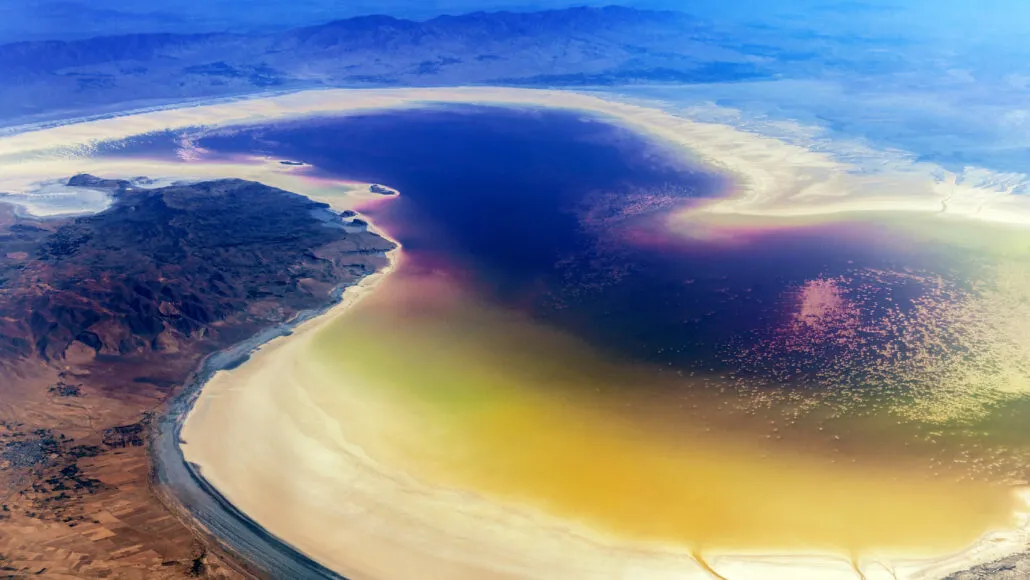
(555, 336)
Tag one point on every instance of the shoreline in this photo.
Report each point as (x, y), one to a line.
(179, 484)
(768, 177)
(182, 489)
(668, 561)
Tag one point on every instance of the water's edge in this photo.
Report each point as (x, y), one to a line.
(195, 501)
(179, 485)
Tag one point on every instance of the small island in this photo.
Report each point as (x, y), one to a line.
(382, 189)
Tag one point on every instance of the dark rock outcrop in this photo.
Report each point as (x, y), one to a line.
(164, 267)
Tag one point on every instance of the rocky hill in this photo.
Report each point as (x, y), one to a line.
(102, 318)
(170, 266)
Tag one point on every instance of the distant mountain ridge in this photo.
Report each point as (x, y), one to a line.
(373, 31)
(36, 56)
(574, 46)
(501, 24)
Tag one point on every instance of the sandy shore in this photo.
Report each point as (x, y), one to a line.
(374, 521)
(302, 475)
(262, 443)
(200, 430)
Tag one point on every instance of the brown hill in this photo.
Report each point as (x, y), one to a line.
(102, 317)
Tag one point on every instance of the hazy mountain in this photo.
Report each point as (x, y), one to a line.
(77, 19)
(569, 47)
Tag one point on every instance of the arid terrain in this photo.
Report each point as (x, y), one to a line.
(102, 318)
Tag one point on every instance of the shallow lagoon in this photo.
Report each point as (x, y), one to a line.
(852, 386)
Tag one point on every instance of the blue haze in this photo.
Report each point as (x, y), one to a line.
(945, 80)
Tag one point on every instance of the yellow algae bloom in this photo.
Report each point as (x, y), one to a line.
(470, 397)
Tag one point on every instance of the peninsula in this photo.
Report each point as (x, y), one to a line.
(103, 317)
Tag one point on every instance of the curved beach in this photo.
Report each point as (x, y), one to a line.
(378, 521)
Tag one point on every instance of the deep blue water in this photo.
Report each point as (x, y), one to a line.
(543, 209)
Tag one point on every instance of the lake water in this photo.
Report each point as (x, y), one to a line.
(552, 339)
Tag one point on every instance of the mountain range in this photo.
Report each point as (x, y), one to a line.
(576, 46)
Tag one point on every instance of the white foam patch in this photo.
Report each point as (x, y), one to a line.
(55, 199)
